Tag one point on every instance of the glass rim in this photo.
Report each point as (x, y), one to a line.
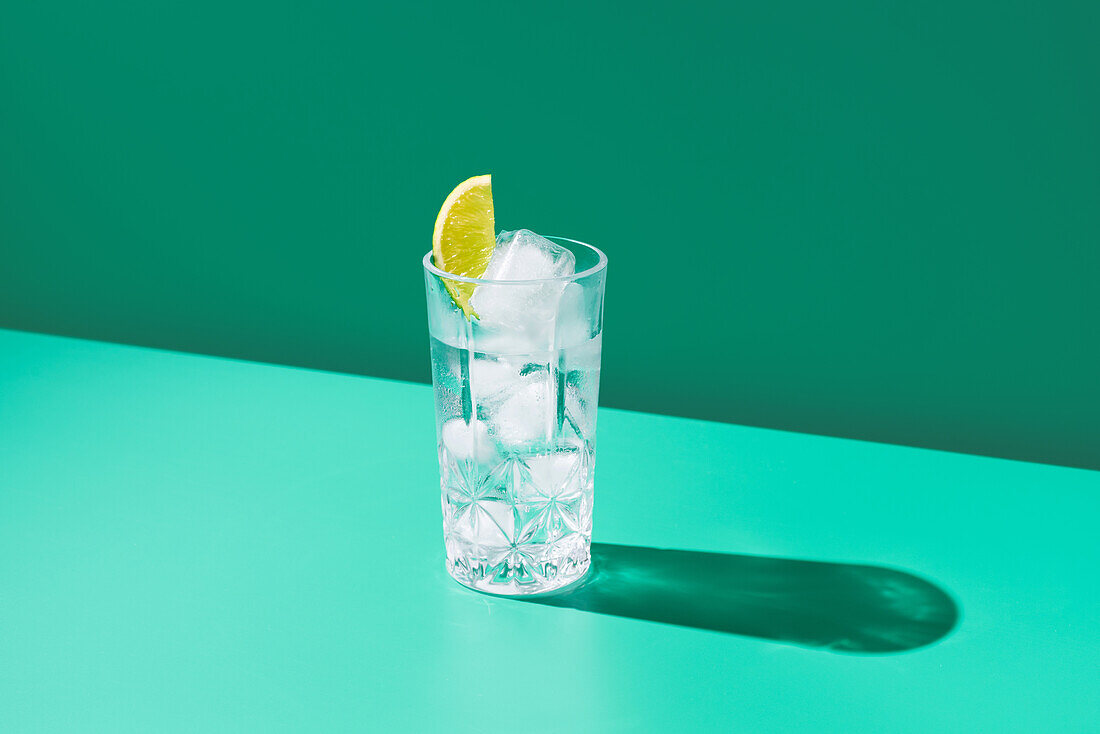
(601, 264)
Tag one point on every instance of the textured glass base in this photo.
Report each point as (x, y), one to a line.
(520, 524)
(520, 580)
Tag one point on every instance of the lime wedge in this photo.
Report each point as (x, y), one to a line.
(464, 237)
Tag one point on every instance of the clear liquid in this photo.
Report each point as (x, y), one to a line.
(516, 436)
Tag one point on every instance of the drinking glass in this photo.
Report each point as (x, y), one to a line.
(515, 406)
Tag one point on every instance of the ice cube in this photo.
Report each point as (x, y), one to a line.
(484, 525)
(559, 474)
(446, 321)
(571, 322)
(492, 378)
(468, 442)
(526, 414)
(524, 255)
(523, 312)
(515, 397)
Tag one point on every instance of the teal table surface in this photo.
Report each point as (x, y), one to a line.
(198, 544)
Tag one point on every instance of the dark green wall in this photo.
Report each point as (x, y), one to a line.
(877, 220)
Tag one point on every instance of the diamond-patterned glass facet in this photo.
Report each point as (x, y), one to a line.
(520, 524)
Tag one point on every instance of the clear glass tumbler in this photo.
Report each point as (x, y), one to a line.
(515, 404)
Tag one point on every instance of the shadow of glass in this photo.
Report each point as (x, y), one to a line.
(839, 607)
